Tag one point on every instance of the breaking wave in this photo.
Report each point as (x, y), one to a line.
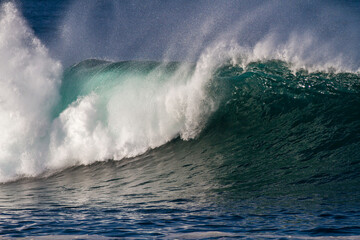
(97, 110)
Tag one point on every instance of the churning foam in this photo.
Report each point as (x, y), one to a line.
(29, 80)
(139, 113)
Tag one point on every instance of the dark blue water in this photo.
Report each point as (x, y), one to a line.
(169, 131)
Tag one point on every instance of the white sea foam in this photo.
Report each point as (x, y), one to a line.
(29, 79)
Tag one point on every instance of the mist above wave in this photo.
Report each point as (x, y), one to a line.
(311, 34)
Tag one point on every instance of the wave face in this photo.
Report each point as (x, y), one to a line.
(117, 110)
(287, 127)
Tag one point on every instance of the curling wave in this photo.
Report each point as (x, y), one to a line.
(97, 110)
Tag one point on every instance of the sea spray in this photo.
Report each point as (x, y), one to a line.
(29, 80)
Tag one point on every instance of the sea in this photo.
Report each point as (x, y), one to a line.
(179, 119)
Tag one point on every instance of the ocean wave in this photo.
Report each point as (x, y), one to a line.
(98, 110)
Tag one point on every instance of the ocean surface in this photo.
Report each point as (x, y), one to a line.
(180, 120)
